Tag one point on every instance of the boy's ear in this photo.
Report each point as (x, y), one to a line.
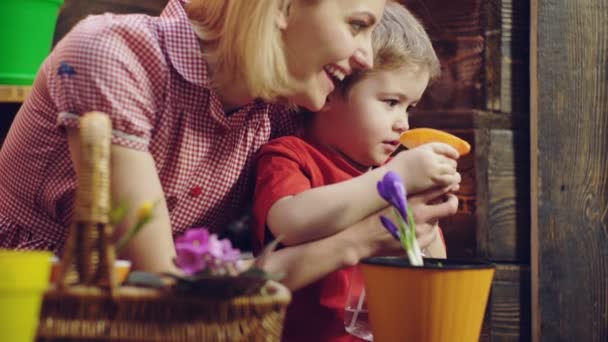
(283, 15)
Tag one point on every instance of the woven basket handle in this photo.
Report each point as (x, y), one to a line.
(89, 251)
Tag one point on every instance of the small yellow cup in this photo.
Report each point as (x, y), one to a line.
(24, 276)
(444, 300)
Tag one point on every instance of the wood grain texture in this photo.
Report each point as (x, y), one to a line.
(466, 119)
(534, 189)
(502, 200)
(457, 34)
(508, 313)
(572, 124)
(506, 56)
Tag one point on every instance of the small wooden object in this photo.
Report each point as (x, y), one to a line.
(89, 254)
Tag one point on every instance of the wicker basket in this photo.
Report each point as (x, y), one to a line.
(87, 304)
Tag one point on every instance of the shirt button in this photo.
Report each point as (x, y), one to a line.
(196, 191)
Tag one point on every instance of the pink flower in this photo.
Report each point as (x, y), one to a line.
(197, 250)
(191, 249)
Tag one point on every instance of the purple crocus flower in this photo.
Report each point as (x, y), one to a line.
(392, 189)
(390, 226)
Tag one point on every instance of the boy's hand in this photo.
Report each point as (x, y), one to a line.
(427, 211)
(426, 215)
(427, 166)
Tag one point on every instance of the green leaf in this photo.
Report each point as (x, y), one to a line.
(130, 233)
(118, 212)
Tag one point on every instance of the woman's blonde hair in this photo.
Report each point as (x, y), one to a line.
(399, 40)
(243, 43)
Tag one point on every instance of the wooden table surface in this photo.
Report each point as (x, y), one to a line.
(14, 94)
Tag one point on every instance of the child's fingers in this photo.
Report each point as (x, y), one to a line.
(446, 208)
(445, 149)
(446, 169)
(449, 162)
(429, 195)
(448, 178)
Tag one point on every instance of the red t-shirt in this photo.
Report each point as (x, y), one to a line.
(287, 166)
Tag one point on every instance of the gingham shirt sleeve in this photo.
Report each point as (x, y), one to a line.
(114, 67)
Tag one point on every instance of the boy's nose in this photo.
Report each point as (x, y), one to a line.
(401, 125)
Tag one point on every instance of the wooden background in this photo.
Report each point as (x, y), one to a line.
(570, 170)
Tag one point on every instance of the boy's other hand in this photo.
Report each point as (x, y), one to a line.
(427, 166)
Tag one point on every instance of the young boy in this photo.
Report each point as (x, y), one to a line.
(318, 190)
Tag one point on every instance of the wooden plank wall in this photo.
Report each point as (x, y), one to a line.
(483, 96)
(570, 192)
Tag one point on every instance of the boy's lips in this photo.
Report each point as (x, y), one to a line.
(391, 145)
(391, 142)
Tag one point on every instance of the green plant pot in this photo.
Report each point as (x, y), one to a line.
(26, 33)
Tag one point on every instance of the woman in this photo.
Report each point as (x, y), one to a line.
(192, 94)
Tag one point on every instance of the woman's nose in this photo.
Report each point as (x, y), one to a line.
(363, 58)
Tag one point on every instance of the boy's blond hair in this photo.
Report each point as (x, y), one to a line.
(243, 44)
(399, 40)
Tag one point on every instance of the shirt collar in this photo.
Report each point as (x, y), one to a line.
(182, 45)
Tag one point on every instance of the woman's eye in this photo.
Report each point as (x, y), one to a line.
(357, 26)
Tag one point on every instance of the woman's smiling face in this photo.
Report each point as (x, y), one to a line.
(324, 41)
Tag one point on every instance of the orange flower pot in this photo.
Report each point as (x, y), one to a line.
(444, 300)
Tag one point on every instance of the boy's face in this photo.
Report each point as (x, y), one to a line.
(365, 125)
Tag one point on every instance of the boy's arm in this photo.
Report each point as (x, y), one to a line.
(323, 211)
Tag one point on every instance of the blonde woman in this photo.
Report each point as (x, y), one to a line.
(192, 95)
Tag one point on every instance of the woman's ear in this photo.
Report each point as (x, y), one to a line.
(283, 15)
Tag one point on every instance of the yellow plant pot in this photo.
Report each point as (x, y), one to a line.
(444, 300)
(24, 276)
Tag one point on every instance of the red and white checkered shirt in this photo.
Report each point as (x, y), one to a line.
(148, 74)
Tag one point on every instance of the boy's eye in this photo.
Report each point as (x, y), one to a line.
(391, 102)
